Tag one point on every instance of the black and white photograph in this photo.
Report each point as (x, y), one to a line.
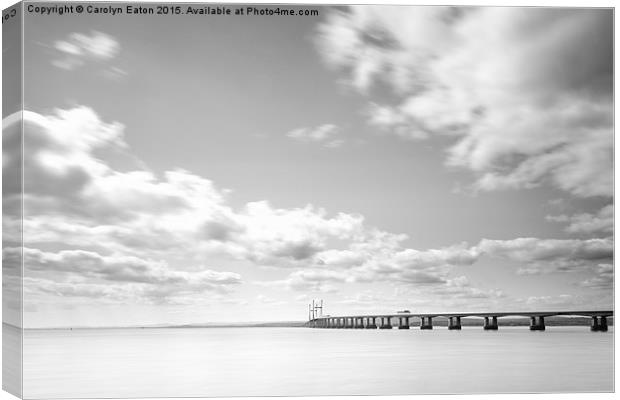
(230, 200)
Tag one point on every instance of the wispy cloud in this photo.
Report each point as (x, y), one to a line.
(326, 135)
(603, 279)
(541, 113)
(79, 50)
(602, 222)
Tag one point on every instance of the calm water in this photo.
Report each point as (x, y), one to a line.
(300, 361)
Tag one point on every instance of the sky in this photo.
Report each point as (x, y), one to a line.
(193, 169)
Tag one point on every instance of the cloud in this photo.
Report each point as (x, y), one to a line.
(326, 134)
(94, 50)
(315, 281)
(600, 223)
(381, 257)
(295, 234)
(539, 113)
(391, 120)
(550, 255)
(64, 175)
(461, 288)
(77, 201)
(92, 223)
(603, 279)
(119, 268)
(534, 249)
(456, 294)
(154, 280)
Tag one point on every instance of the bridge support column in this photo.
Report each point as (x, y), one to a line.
(359, 323)
(370, 323)
(490, 323)
(537, 326)
(386, 323)
(603, 324)
(403, 322)
(599, 324)
(426, 322)
(454, 323)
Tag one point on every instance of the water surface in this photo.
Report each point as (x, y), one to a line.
(303, 361)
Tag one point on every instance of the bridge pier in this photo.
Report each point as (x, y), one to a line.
(454, 323)
(386, 323)
(403, 322)
(370, 323)
(490, 323)
(537, 326)
(426, 322)
(359, 323)
(603, 324)
(599, 325)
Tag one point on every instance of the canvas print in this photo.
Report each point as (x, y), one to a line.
(212, 200)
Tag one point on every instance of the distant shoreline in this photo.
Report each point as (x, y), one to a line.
(440, 322)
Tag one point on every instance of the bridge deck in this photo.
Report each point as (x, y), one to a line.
(479, 314)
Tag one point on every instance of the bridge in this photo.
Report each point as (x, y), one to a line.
(403, 319)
